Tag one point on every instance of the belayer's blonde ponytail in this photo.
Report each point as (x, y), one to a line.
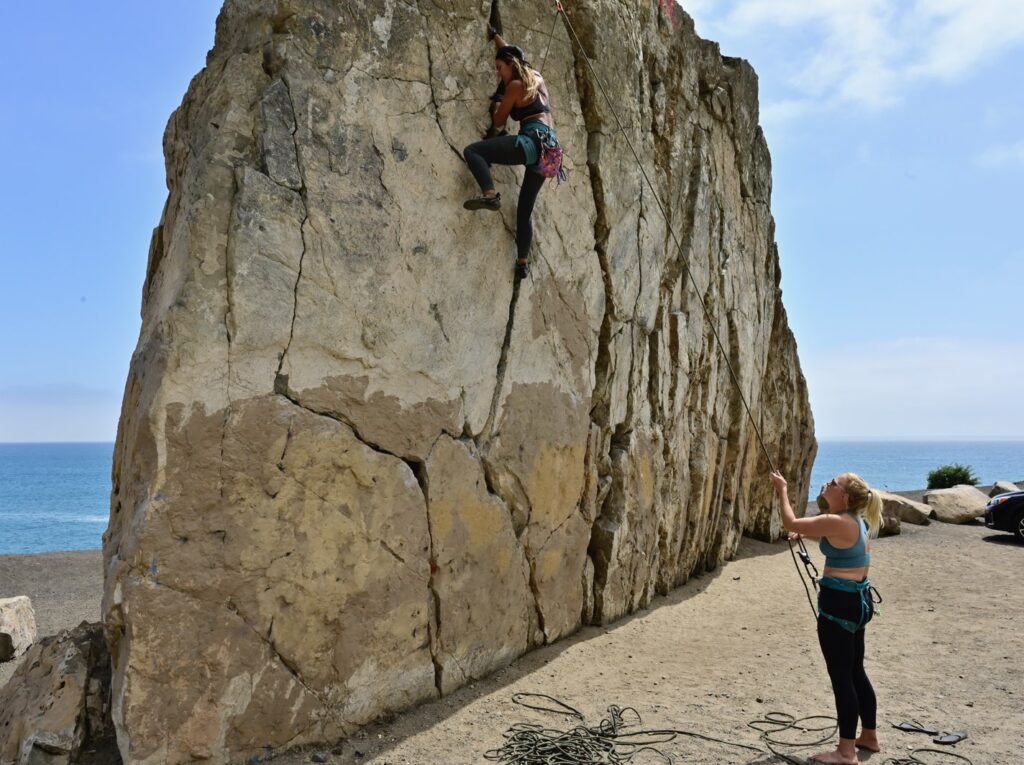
(864, 501)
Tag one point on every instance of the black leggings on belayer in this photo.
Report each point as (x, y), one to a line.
(844, 657)
(503, 151)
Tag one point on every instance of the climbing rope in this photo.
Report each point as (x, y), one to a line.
(777, 728)
(804, 556)
(912, 759)
(607, 743)
(611, 743)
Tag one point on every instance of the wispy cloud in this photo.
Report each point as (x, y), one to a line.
(868, 53)
(1009, 155)
(917, 388)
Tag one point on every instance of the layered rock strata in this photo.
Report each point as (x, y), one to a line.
(358, 465)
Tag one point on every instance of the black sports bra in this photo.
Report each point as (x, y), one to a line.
(536, 106)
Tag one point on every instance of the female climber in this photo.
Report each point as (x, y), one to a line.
(850, 511)
(522, 95)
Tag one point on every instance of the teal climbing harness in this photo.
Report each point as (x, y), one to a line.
(869, 598)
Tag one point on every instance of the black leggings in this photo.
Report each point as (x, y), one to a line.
(503, 151)
(844, 656)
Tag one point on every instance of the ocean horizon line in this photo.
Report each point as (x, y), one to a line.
(820, 439)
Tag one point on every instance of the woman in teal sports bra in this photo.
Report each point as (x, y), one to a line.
(851, 514)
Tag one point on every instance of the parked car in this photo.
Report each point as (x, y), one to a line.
(1005, 512)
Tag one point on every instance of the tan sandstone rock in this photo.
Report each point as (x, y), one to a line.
(17, 626)
(960, 504)
(358, 465)
(890, 525)
(1002, 487)
(906, 510)
(57, 701)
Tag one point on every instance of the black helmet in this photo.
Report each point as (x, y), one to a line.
(511, 51)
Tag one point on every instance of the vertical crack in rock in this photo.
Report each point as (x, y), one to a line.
(599, 548)
(303, 194)
(536, 601)
(678, 266)
(430, 80)
(499, 374)
(654, 376)
(229, 319)
(419, 469)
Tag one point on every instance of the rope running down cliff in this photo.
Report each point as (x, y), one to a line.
(804, 556)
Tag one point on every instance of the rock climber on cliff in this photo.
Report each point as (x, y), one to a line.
(523, 96)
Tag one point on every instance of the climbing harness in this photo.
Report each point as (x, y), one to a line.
(811, 571)
(869, 597)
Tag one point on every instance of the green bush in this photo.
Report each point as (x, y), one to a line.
(948, 476)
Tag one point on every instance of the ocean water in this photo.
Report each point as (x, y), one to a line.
(54, 496)
(904, 465)
(57, 496)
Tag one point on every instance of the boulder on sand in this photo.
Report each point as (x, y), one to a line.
(57, 703)
(961, 504)
(906, 510)
(1001, 487)
(890, 526)
(17, 627)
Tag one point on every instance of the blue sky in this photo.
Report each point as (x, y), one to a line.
(897, 138)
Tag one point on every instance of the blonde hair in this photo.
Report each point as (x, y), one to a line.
(529, 76)
(864, 501)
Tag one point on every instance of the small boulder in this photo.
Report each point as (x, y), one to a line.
(907, 510)
(890, 526)
(57, 702)
(17, 627)
(961, 504)
(1001, 487)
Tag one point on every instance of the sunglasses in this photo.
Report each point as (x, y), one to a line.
(834, 482)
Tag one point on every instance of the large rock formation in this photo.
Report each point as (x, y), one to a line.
(357, 464)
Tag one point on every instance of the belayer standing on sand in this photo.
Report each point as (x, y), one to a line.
(850, 510)
(523, 96)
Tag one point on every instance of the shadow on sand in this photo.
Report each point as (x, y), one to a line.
(378, 738)
(1006, 540)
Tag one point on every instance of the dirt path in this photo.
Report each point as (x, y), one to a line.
(729, 647)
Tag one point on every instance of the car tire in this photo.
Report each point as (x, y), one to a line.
(1018, 526)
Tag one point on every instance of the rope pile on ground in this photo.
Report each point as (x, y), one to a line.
(610, 743)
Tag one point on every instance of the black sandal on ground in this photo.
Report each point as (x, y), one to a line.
(522, 268)
(483, 202)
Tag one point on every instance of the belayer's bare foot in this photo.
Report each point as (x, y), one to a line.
(835, 758)
(868, 740)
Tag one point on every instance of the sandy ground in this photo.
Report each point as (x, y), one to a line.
(723, 650)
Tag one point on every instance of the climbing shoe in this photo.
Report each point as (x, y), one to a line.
(483, 202)
(522, 269)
